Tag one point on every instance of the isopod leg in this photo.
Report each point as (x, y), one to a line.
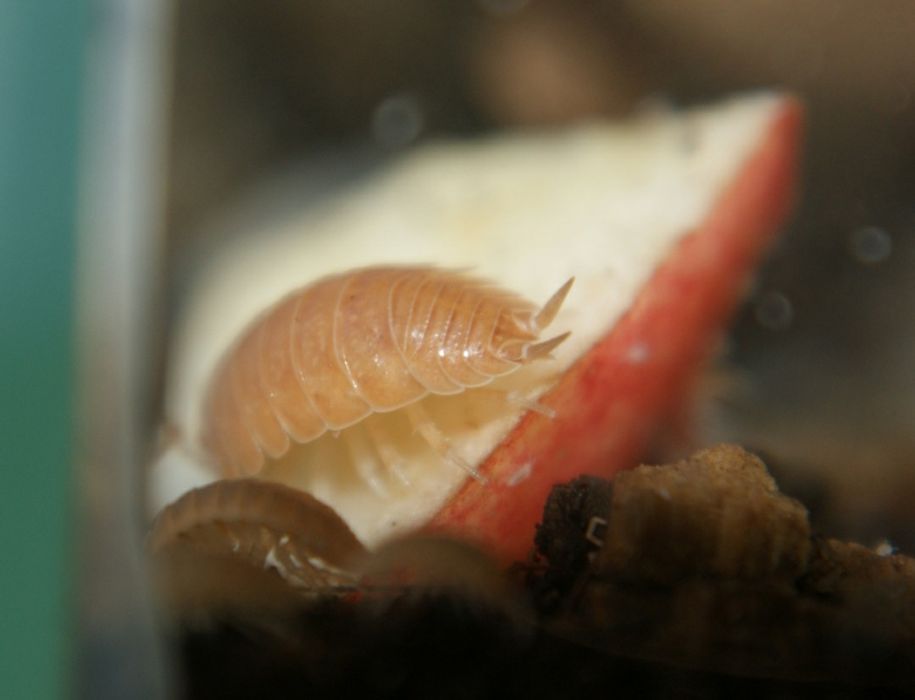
(389, 457)
(364, 459)
(516, 398)
(424, 425)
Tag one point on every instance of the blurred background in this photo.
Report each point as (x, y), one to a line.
(144, 127)
(818, 374)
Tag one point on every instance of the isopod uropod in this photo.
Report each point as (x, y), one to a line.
(368, 340)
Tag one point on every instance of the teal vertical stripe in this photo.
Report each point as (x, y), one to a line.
(41, 72)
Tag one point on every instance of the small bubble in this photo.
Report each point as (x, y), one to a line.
(397, 121)
(502, 7)
(774, 311)
(870, 245)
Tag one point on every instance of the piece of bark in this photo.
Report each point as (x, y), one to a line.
(704, 563)
(717, 514)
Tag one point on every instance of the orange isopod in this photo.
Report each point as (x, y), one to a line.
(372, 339)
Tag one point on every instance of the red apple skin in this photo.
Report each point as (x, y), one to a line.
(612, 399)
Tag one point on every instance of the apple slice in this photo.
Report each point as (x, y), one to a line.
(660, 220)
(608, 404)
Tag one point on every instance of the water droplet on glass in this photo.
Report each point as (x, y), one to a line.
(870, 245)
(774, 311)
(502, 7)
(397, 121)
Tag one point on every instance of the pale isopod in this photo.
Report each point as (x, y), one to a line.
(261, 525)
(365, 341)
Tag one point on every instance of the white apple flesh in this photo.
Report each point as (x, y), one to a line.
(660, 220)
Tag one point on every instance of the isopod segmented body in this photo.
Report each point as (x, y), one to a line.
(261, 525)
(373, 339)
